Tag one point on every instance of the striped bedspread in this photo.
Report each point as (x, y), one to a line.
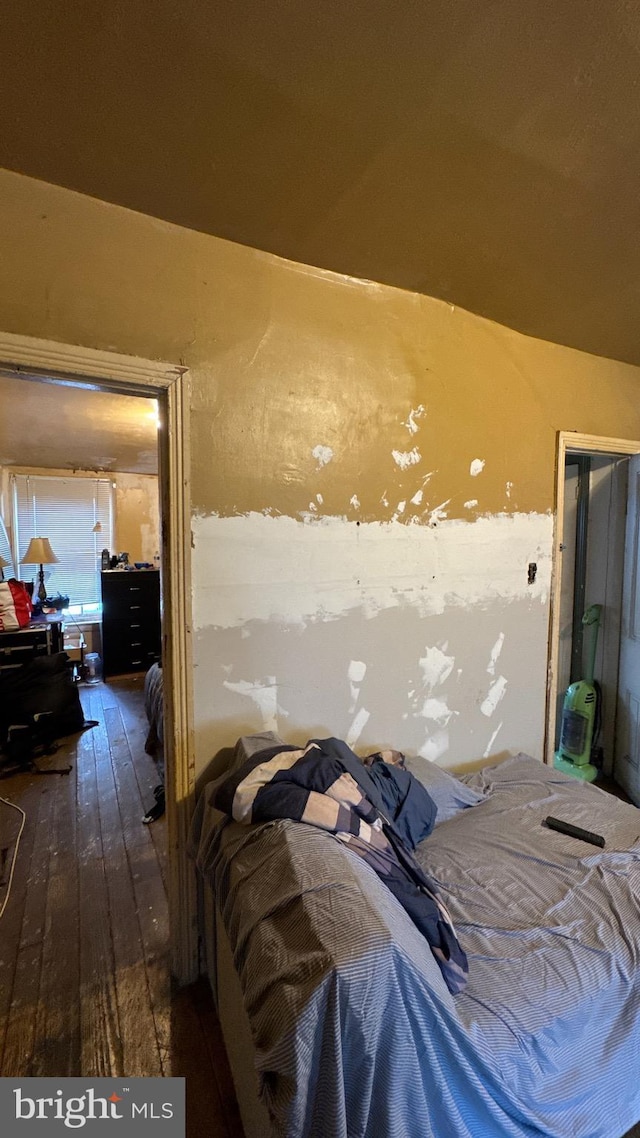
(154, 710)
(355, 1032)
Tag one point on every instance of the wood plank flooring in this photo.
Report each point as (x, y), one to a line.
(84, 975)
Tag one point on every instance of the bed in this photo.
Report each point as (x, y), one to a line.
(336, 1017)
(154, 742)
(154, 710)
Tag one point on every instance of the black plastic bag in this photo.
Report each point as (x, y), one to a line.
(42, 687)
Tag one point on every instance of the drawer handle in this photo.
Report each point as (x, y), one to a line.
(134, 589)
(132, 607)
(135, 626)
(136, 644)
(136, 661)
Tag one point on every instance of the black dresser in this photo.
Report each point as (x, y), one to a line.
(131, 634)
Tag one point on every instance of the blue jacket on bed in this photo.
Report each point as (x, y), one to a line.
(383, 822)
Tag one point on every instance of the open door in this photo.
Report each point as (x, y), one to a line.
(53, 362)
(602, 582)
(566, 591)
(627, 744)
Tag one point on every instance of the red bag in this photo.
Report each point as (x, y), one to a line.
(15, 605)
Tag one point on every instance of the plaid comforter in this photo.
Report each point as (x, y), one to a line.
(375, 807)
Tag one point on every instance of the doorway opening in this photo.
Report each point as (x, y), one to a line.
(593, 564)
(64, 365)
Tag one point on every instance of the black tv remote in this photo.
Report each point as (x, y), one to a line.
(574, 831)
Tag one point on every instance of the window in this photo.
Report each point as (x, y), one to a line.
(67, 511)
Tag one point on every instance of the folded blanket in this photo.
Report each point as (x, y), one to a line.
(380, 811)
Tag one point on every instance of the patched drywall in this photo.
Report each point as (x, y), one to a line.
(380, 633)
(259, 567)
(371, 473)
(297, 680)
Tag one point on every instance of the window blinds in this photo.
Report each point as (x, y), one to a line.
(65, 510)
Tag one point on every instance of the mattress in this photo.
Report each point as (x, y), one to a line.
(354, 1031)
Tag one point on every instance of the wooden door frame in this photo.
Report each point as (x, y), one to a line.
(568, 442)
(48, 360)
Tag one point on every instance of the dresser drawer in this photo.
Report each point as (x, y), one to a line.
(125, 658)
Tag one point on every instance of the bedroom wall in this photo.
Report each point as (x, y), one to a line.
(137, 508)
(372, 474)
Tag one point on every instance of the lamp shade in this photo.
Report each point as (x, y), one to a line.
(39, 552)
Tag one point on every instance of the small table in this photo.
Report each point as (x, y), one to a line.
(41, 637)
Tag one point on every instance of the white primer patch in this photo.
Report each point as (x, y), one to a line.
(319, 499)
(436, 667)
(322, 455)
(357, 727)
(436, 710)
(495, 652)
(406, 458)
(438, 514)
(356, 673)
(495, 694)
(260, 567)
(264, 693)
(411, 424)
(435, 746)
(471, 503)
(509, 488)
(492, 740)
(417, 498)
(477, 466)
(355, 502)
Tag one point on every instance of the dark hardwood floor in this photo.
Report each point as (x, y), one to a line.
(84, 976)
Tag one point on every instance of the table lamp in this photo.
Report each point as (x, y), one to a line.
(40, 553)
(2, 565)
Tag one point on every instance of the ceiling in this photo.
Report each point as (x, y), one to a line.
(482, 151)
(50, 426)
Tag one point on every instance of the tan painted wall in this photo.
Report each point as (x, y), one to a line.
(137, 516)
(285, 360)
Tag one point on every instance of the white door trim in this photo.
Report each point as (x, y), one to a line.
(73, 364)
(568, 441)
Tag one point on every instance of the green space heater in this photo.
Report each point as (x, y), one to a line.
(580, 712)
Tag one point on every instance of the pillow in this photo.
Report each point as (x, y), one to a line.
(248, 745)
(449, 794)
